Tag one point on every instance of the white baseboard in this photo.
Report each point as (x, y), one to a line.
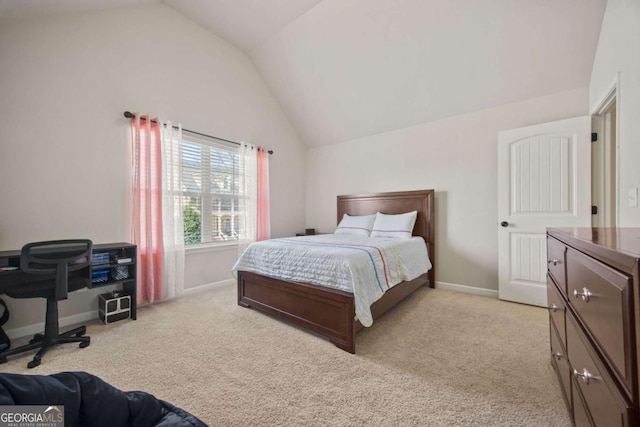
(38, 328)
(467, 289)
(90, 315)
(442, 285)
(202, 288)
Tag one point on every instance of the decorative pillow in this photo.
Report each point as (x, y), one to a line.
(397, 226)
(356, 225)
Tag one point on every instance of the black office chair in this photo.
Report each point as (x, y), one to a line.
(56, 259)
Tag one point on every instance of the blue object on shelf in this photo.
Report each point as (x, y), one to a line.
(99, 276)
(100, 258)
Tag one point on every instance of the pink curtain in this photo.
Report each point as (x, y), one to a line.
(147, 207)
(264, 221)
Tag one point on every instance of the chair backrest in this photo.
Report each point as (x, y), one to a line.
(56, 256)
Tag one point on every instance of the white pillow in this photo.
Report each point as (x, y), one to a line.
(397, 226)
(356, 225)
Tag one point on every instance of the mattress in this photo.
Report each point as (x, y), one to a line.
(362, 265)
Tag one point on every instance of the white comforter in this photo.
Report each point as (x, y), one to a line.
(364, 266)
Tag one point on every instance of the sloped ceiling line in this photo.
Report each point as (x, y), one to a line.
(344, 69)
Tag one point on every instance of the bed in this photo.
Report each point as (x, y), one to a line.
(330, 312)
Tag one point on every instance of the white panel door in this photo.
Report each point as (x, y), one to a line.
(544, 180)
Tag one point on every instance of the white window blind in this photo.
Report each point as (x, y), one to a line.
(211, 195)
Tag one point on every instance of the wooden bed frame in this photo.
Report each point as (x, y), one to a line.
(331, 312)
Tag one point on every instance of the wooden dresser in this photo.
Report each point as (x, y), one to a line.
(593, 291)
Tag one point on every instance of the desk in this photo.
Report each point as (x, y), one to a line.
(127, 251)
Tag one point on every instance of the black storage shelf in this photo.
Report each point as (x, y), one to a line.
(108, 266)
(129, 283)
(109, 282)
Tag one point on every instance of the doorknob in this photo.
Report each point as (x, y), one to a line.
(504, 224)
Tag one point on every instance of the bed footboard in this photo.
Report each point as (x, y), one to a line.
(324, 311)
(327, 312)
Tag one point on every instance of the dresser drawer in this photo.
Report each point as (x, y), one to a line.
(603, 400)
(561, 364)
(601, 296)
(581, 417)
(557, 310)
(556, 262)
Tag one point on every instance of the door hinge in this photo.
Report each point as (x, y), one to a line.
(594, 136)
(594, 210)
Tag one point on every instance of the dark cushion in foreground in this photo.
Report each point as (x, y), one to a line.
(89, 401)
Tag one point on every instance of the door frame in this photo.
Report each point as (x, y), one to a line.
(608, 207)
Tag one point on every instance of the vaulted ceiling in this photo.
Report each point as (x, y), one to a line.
(344, 69)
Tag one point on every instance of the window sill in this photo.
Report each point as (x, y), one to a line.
(210, 247)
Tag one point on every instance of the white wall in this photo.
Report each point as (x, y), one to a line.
(65, 147)
(619, 52)
(454, 156)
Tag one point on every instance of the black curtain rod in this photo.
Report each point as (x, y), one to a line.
(130, 115)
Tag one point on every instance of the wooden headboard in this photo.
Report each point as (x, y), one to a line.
(396, 203)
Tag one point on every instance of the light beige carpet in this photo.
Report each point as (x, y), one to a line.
(440, 358)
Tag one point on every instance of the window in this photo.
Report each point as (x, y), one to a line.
(210, 191)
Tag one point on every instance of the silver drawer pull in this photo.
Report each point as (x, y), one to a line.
(554, 308)
(586, 294)
(554, 261)
(557, 355)
(585, 375)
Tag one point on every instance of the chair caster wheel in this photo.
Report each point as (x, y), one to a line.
(84, 344)
(33, 364)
